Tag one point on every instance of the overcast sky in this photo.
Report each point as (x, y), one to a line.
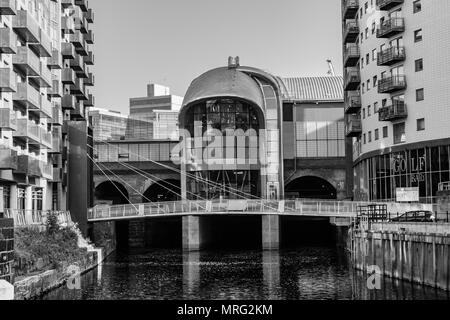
(173, 41)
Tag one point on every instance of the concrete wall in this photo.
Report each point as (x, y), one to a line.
(6, 249)
(417, 257)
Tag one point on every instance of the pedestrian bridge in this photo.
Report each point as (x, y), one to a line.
(299, 207)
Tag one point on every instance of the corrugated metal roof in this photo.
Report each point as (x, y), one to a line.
(328, 88)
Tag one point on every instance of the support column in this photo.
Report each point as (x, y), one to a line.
(270, 232)
(191, 273)
(191, 233)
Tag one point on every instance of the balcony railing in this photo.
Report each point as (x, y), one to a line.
(26, 61)
(67, 24)
(352, 102)
(390, 56)
(89, 59)
(68, 102)
(26, 27)
(82, 4)
(56, 90)
(388, 4)
(28, 131)
(8, 159)
(90, 80)
(8, 41)
(90, 102)
(44, 47)
(352, 79)
(349, 8)
(391, 27)
(67, 50)
(393, 112)
(8, 119)
(89, 16)
(26, 96)
(351, 31)
(8, 7)
(7, 80)
(67, 76)
(392, 84)
(55, 62)
(90, 37)
(57, 116)
(351, 55)
(353, 127)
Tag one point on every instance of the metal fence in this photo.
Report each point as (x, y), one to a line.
(29, 218)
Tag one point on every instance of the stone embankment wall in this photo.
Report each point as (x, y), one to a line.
(401, 251)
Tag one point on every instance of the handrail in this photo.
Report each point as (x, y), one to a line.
(28, 218)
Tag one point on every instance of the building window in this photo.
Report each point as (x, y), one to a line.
(6, 197)
(364, 138)
(370, 136)
(367, 33)
(377, 134)
(374, 54)
(374, 27)
(375, 81)
(420, 124)
(399, 133)
(364, 113)
(366, 6)
(368, 110)
(417, 6)
(383, 103)
(367, 58)
(363, 88)
(368, 85)
(418, 35)
(420, 95)
(375, 107)
(385, 132)
(419, 65)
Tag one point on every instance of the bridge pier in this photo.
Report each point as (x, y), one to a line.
(270, 232)
(191, 233)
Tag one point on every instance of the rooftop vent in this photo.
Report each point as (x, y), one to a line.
(233, 62)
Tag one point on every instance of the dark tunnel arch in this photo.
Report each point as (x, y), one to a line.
(163, 190)
(111, 192)
(310, 187)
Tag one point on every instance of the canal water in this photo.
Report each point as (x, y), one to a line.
(301, 274)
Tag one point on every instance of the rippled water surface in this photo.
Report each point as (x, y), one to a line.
(307, 273)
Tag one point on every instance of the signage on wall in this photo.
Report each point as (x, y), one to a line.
(407, 194)
(401, 165)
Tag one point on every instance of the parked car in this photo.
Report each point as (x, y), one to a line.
(415, 216)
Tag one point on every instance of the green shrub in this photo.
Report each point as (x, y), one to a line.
(52, 223)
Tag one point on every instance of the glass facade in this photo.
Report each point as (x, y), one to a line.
(378, 177)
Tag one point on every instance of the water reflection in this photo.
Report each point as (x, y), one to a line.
(306, 273)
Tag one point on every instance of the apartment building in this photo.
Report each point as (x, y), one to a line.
(44, 88)
(397, 102)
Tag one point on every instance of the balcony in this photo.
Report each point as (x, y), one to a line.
(44, 79)
(351, 55)
(89, 59)
(352, 102)
(84, 72)
(351, 31)
(8, 7)
(393, 112)
(46, 138)
(57, 175)
(28, 131)
(47, 170)
(77, 63)
(391, 27)
(353, 127)
(90, 102)
(8, 41)
(7, 80)
(67, 25)
(77, 39)
(90, 80)
(26, 27)
(78, 112)
(82, 4)
(26, 96)
(8, 159)
(391, 56)
(77, 88)
(386, 5)
(8, 120)
(67, 76)
(83, 50)
(67, 3)
(349, 9)
(44, 47)
(68, 102)
(67, 50)
(89, 16)
(26, 62)
(90, 37)
(352, 79)
(55, 91)
(81, 24)
(56, 144)
(57, 116)
(55, 62)
(392, 84)
(46, 109)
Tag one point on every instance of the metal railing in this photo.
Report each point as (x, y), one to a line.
(29, 218)
(287, 207)
(395, 111)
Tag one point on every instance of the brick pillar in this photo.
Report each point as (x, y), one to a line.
(270, 232)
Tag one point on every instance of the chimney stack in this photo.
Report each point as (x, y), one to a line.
(233, 63)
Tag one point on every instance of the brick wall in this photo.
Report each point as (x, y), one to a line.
(6, 249)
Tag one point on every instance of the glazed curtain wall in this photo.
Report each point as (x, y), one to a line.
(378, 177)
